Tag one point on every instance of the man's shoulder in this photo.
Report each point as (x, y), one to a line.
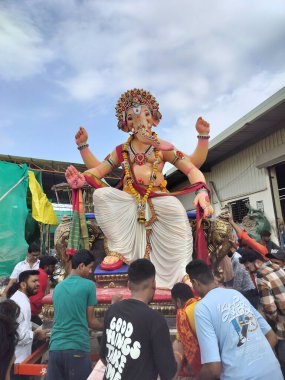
(140, 307)
(268, 269)
(217, 295)
(20, 264)
(20, 298)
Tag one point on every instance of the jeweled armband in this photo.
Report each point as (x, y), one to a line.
(108, 161)
(177, 156)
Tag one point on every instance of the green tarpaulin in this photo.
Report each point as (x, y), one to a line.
(13, 214)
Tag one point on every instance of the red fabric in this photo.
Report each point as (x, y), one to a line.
(188, 338)
(104, 295)
(37, 300)
(114, 266)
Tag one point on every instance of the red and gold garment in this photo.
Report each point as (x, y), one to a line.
(185, 323)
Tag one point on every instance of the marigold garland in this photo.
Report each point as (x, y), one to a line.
(141, 201)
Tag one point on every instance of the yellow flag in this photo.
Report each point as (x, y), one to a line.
(42, 209)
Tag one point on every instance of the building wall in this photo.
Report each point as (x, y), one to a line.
(237, 177)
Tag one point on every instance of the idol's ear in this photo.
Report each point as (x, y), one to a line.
(123, 126)
(156, 117)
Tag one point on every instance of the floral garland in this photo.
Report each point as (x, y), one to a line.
(141, 201)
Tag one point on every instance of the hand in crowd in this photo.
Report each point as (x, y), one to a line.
(41, 334)
(116, 298)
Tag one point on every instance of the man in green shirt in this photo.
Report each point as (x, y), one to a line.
(74, 300)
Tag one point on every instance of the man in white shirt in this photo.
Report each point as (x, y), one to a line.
(27, 286)
(31, 262)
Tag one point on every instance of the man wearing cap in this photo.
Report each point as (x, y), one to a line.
(277, 256)
(270, 281)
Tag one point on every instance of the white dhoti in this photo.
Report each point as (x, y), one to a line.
(171, 237)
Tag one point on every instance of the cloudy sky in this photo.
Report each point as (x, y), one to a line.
(64, 63)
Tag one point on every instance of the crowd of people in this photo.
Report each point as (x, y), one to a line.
(233, 330)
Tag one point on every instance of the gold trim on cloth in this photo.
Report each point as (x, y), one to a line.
(162, 188)
(112, 253)
(111, 277)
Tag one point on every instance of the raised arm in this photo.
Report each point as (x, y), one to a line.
(89, 159)
(201, 151)
(184, 164)
(242, 234)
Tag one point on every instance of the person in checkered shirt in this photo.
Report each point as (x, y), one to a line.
(270, 282)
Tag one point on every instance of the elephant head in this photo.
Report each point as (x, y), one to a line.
(137, 111)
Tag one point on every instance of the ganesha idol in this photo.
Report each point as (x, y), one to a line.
(143, 220)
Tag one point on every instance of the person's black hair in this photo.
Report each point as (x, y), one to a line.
(12, 290)
(200, 271)
(182, 291)
(141, 270)
(34, 248)
(47, 260)
(9, 312)
(249, 255)
(82, 256)
(265, 233)
(23, 276)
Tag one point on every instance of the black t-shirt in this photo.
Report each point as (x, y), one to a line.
(136, 343)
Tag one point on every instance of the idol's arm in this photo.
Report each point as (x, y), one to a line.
(105, 167)
(81, 139)
(89, 159)
(194, 175)
(200, 154)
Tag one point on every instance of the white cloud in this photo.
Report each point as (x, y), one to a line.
(23, 50)
(223, 111)
(218, 59)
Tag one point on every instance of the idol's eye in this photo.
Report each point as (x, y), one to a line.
(130, 118)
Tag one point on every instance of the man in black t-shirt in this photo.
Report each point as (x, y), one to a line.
(136, 343)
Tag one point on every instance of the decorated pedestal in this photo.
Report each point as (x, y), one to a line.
(111, 279)
(161, 302)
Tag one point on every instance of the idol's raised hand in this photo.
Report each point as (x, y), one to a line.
(75, 179)
(81, 136)
(202, 126)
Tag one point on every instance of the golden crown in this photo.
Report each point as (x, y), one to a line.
(134, 98)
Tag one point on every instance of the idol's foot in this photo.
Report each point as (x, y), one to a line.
(111, 263)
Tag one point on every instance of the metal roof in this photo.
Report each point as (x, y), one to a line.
(254, 126)
(260, 122)
(53, 173)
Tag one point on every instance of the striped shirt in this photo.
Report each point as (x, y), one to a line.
(270, 280)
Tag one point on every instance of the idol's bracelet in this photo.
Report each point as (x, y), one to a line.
(82, 146)
(203, 137)
(201, 190)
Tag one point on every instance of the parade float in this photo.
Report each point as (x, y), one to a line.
(140, 218)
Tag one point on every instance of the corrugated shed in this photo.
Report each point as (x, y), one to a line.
(237, 176)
